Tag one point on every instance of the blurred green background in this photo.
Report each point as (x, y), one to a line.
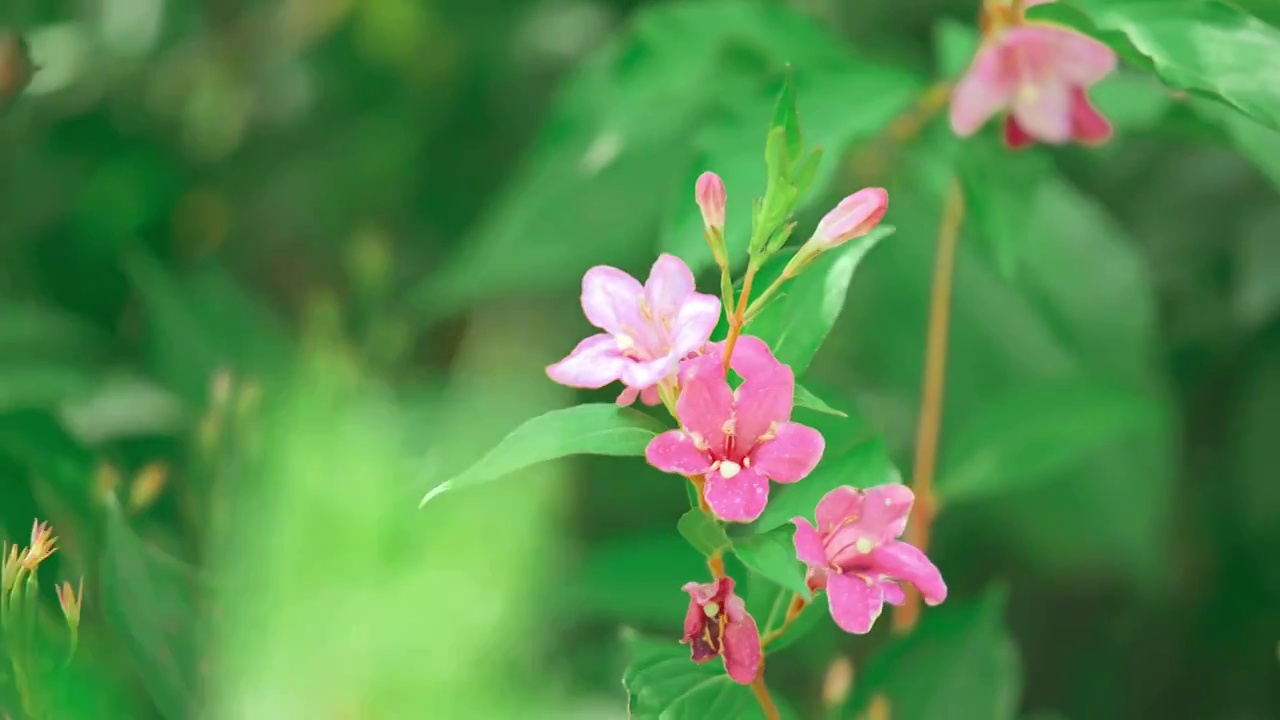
(271, 270)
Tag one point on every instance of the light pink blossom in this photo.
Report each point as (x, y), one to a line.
(854, 554)
(718, 624)
(855, 216)
(711, 197)
(738, 439)
(1037, 73)
(648, 329)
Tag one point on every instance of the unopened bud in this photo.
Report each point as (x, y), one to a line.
(855, 216)
(837, 683)
(71, 601)
(147, 485)
(106, 479)
(711, 197)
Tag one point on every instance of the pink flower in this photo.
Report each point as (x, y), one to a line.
(718, 624)
(855, 216)
(1037, 73)
(855, 555)
(710, 194)
(739, 439)
(647, 329)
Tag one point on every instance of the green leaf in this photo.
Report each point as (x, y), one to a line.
(865, 465)
(999, 187)
(149, 599)
(955, 43)
(773, 555)
(594, 429)
(731, 146)
(1034, 433)
(795, 325)
(787, 117)
(767, 601)
(634, 578)
(1259, 144)
(806, 399)
(960, 663)
(1205, 46)
(703, 532)
(667, 685)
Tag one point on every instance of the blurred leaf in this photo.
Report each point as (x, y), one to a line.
(634, 579)
(865, 465)
(34, 386)
(34, 329)
(795, 324)
(38, 442)
(596, 429)
(1034, 433)
(669, 686)
(1259, 144)
(1203, 45)
(773, 555)
(703, 532)
(1256, 267)
(605, 163)
(806, 399)
(121, 406)
(999, 187)
(960, 663)
(149, 600)
(1131, 101)
(955, 43)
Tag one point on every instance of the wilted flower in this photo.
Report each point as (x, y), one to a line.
(1038, 73)
(71, 602)
(739, 439)
(43, 544)
(855, 556)
(718, 624)
(648, 328)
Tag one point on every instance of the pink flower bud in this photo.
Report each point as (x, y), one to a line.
(855, 216)
(711, 197)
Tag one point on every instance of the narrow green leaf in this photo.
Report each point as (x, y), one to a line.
(703, 532)
(807, 171)
(1030, 435)
(594, 429)
(664, 684)
(806, 399)
(797, 323)
(863, 466)
(787, 117)
(960, 664)
(773, 555)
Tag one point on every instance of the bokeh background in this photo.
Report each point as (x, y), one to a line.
(271, 270)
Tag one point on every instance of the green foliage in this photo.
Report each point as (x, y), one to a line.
(773, 555)
(599, 429)
(806, 399)
(960, 663)
(662, 682)
(703, 532)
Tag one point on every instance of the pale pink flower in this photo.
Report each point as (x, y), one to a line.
(855, 216)
(738, 439)
(854, 554)
(718, 624)
(1037, 73)
(711, 197)
(648, 329)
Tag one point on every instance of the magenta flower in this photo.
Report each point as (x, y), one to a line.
(738, 439)
(718, 624)
(1038, 73)
(648, 329)
(855, 555)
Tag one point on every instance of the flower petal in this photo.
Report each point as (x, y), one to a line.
(740, 498)
(1088, 126)
(649, 373)
(675, 452)
(893, 593)
(808, 543)
(670, 282)
(611, 298)
(706, 402)
(594, 363)
(885, 509)
(763, 403)
(837, 506)
(751, 356)
(985, 89)
(907, 563)
(855, 603)
(1043, 109)
(1077, 58)
(1015, 138)
(792, 454)
(694, 323)
(741, 642)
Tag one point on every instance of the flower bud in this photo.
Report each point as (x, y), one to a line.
(71, 601)
(43, 543)
(711, 197)
(855, 216)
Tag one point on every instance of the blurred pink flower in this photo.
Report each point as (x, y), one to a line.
(718, 624)
(739, 439)
(855, 555)
(1037, 73)
(855, 216)
(648, 329)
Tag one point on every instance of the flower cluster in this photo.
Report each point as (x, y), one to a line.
(1037, 74)
(733, 400)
